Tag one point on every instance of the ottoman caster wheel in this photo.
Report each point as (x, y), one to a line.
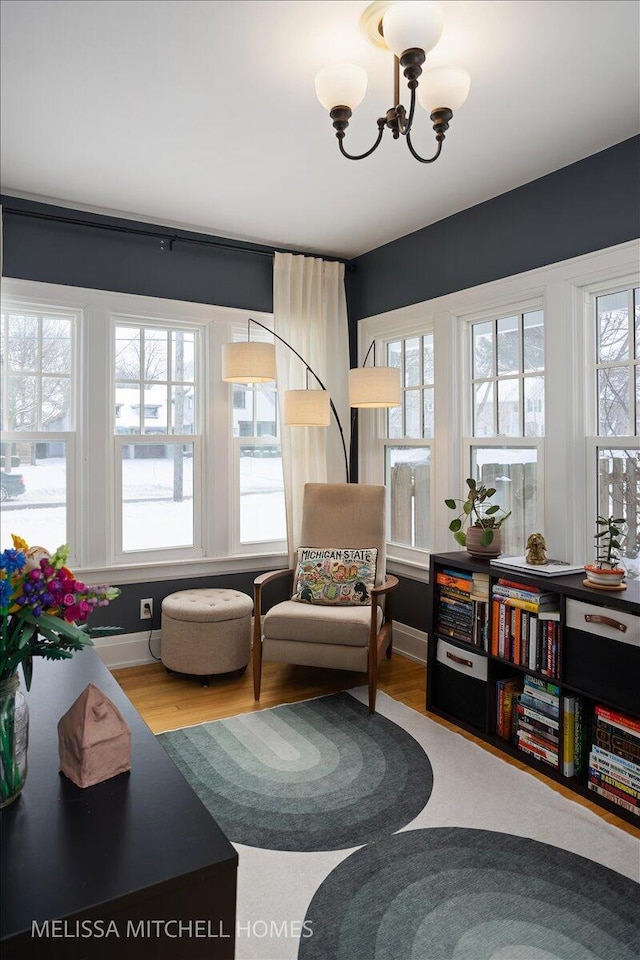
(204, 681)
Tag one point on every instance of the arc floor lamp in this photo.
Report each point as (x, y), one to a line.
(252, 361)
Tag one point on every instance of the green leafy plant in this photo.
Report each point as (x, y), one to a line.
(478, 512)
(608, 540)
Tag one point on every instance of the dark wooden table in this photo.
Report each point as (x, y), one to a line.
(140, 849)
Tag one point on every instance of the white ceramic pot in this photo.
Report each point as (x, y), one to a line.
(475, 548)
(604, 576)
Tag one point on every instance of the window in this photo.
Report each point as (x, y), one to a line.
(38, 349)
(614, 449)
(156, 386)
(260, 484)
(407, 449)
(507, 405)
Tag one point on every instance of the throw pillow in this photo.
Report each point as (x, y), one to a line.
(341, 577)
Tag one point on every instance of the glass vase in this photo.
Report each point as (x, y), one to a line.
(14, 739)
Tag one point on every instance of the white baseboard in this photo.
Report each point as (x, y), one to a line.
(127, 649)
(132, 649)
(409, 642)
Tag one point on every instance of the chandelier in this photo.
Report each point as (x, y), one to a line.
(409, 29)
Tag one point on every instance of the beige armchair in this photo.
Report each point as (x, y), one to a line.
(345, 638)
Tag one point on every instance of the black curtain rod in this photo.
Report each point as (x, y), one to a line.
(169, 238)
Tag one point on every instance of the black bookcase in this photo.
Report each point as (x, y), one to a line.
(596, 659)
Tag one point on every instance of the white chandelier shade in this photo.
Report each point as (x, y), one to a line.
(307, 408)
(375, 387)
(411, 24)
(341, 84)
(444, 87)
(248, 362)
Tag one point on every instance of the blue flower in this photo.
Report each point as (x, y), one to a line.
(5, 593)
(12, 560)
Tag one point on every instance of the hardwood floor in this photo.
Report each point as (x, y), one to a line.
(167, 701)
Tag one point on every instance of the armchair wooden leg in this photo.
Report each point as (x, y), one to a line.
(390, 647)
(257, 667)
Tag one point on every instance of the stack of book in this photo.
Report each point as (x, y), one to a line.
(538, 720)
(463, 606)
(525, 626)
(614, 761)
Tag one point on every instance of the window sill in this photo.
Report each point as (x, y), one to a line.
(181, 569)
(413, 571)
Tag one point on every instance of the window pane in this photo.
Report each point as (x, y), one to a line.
(483, 425)
(23, 342)
(514, 474)
(33, 488)
(613, 402)
(509, 408)
(23, 403)
(619, 496)
(412, 362)
(394, 354)
(56, 345)
(266, 410)
(427, 355)
(508, 345)
(533, 340)
(636, 302)
(613, 327)
(182, 406)
(482, 350)
(155, 354)
(408, 480)
(412, 413)
(394, 428)
(56, 404)
(262, 514)
(428, 412)
(127, 408)
(183, 355)
(534, 406)
(127, 353)
(157, 496)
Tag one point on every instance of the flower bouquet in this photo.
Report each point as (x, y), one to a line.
(43, 613)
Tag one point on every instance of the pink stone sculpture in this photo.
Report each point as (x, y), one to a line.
(94, 740)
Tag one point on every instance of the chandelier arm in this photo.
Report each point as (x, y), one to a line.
(361, 156)
(417, 155)
(406, 130)
(320, 383)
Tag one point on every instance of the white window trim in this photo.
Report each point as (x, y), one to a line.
(93, 528)
(560, 288)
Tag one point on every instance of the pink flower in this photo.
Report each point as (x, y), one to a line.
(68, 599)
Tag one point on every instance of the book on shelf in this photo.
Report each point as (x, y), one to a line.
(614, 760)
(455, 580)
(538, 599)
(614, 798)
(530, 714)
(568, 735)
(552, 568)
(626, 723)
(614, 788)
(505, 690)
(618, 774)
(534, 749)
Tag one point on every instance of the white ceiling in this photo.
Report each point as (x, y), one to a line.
(203, 114)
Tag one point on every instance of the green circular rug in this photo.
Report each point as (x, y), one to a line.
(464, 894)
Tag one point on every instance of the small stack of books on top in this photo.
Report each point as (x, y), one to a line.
(463, 600)
(614, 761)
(538, 720)
(525, 626)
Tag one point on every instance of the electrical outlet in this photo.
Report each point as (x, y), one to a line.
(146, 609)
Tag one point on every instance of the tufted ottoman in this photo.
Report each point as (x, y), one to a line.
(206, 631)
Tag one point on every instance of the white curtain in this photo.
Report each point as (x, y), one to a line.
(310, 313)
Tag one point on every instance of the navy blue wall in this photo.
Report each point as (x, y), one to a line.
(586, 206)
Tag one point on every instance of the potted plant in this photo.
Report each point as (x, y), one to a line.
(607, 571)
(483, 537)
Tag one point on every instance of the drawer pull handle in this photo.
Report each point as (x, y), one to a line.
(608, 621)
(461, 660)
